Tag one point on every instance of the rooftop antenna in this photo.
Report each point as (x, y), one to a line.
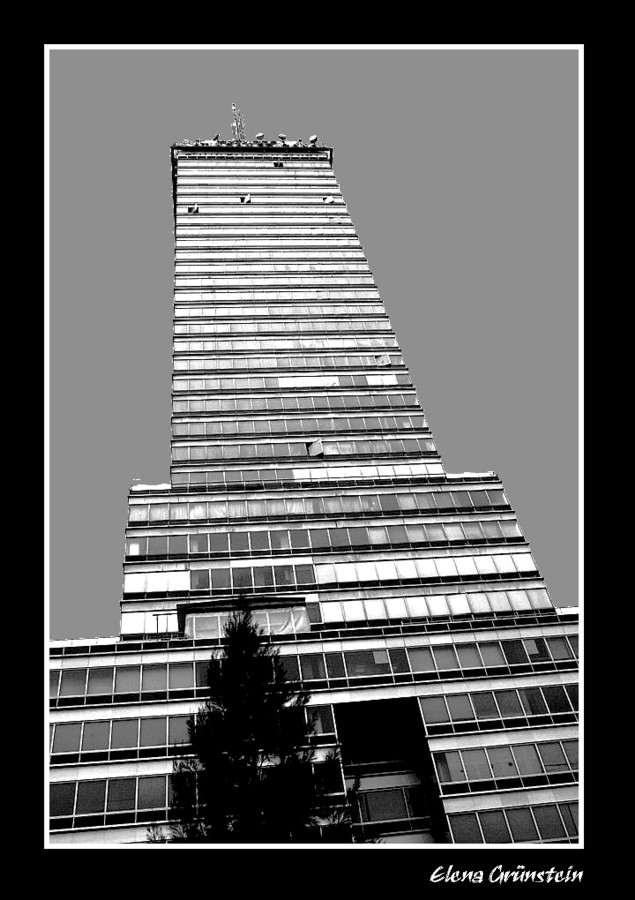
(238, 125)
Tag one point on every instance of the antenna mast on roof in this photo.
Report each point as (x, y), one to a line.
(238, 125)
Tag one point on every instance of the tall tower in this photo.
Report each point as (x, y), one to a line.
(304, 474)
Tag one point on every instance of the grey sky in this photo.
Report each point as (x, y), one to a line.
(459, 168)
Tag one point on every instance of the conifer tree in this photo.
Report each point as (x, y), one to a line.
(250, 778)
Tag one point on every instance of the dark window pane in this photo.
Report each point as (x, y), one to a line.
(199, 579)
(522, 825)
(445, 657)
(533, 701)
(263, 576)
(494, 827)
(127, 679)
(177, 730)
(367, 662)
(201, 673)
(238, 540)
(527, 759)
(90, 797)
(502, 762)
(573, 640)
(559, 648)
(312, 666)
(475, 764)
(508, 703)
(434, 710)
(100, 681)
(399, 660)
(492, 655)
(420, 659)
(572, 691)
(291, 667)
(151, 792)
(62, 798)
(320, 538)
(73, 682)
(121, 794)
(178, 545)
(468, 656)
(557, 699)
(571, 749)
(124, 733)
(157, 546)
(304, 574)
(55, 677)
(259, 540)
(283, 575)
(67, 737)
(460, 707)
(484, 705)
(322, 717)
(537, 649)
(449, 766)
(299, 539)
(96, 735)
(217, 542)
(548, 821)
(154, 678)
(181, 675)
(570, 817)
(153, 732)
(378, 806)
(514, 652)
(242, 578)
(465, 829)
(335, 665)
(220, 579)
(552, 757)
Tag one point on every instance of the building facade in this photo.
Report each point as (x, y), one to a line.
(304, 475)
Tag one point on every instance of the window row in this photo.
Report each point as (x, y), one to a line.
(484, 765)
(308, 361)
(295, 403)
(294, 297)
(471, 603)
(252, 268)
(519, 824)
(282, 326)
(277, 382)
(280, 343)
(96, 740)
(341, 310)
(471, 660)
(311, 540)
(393, 504)
(282, 449)
(281, 475)
(289, 620)
(223, 579)
(293, 425)
(218, 230)
(108, 801)
(117, 734)
(392, 804)
(189, 161)
(185, 281)
(495, 705)
(273, 253)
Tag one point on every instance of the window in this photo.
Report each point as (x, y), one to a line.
(494, 827)
(465, 829)
(381, 806)
(522, 825)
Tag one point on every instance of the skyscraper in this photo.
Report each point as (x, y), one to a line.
(304, 475)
